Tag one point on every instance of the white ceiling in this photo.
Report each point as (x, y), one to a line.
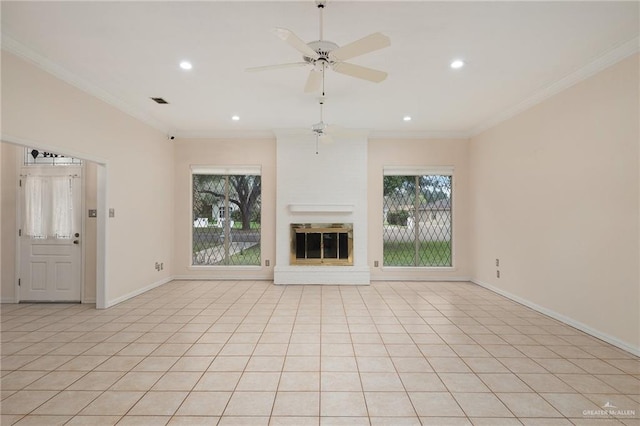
(127, 52)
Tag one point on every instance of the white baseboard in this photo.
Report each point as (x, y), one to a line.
(232, 277)
(89, 301)
(137, 292)
(402, 277)
(563, 318)
(13, 300)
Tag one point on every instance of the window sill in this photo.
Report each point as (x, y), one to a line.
(419, 268)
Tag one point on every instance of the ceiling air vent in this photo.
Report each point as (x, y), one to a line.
(159, 100)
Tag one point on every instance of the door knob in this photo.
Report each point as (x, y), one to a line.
(76, 235)
(76, 242)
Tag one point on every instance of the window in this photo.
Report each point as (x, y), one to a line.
(35, 157)
(226, 216)
(417, 218)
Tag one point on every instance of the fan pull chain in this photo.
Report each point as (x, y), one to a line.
(323, 68)
(321, 7)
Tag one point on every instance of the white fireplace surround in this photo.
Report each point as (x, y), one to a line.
(321, 208)
(327, 187)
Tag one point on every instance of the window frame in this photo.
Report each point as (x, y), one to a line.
(444, 170)
(224, 170)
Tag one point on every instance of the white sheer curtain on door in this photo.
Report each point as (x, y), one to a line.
(48, 207)
(35, 192)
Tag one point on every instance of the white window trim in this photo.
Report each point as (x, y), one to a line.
(220, 170)
(226, 170)
(417, 170)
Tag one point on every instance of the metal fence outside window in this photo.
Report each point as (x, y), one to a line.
(226, 219)
(417, 221)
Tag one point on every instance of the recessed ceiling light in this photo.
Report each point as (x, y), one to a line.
(458, 63)
(235, 117)
(186, 65)
(407, 118)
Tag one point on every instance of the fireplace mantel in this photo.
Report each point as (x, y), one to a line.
(321, 208)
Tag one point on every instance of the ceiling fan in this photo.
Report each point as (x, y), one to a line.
(321, 129)
(325, 133)
(322, 54)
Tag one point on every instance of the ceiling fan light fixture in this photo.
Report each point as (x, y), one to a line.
(406, 118)
(319, 128)
(235, 117)
(186, 65)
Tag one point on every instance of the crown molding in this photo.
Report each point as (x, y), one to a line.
(226, 134)
(602, 62)
(13, 46)
(303, 132)
(343, 132)
(419, 135)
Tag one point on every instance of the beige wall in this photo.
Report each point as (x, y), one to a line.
(420, 152)
(2, 203)
(89, 239)
(221, 152)
(263, 152)
(8, 225)
(41, 110)
(555, 198)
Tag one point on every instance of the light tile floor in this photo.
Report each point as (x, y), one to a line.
(252, 353)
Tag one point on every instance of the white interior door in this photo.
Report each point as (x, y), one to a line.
(50, 267)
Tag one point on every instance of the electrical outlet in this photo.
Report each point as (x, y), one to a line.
(497, 274)
(375, 263)
(157, 266)
(161, 266)
(112, 212)
(497, 262)
(267, 263)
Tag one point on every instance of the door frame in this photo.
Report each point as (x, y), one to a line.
(22, 169)
(101, 226)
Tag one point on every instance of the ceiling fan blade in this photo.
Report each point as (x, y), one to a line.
(275, 67)
(324, 138)
(295, 42)
(313, 81)
(332, 129)
(358, 71)
(366, 44)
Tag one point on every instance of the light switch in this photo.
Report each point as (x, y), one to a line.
(93, 213)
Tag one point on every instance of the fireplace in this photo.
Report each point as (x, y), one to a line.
(321, 205)
(320, 244)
